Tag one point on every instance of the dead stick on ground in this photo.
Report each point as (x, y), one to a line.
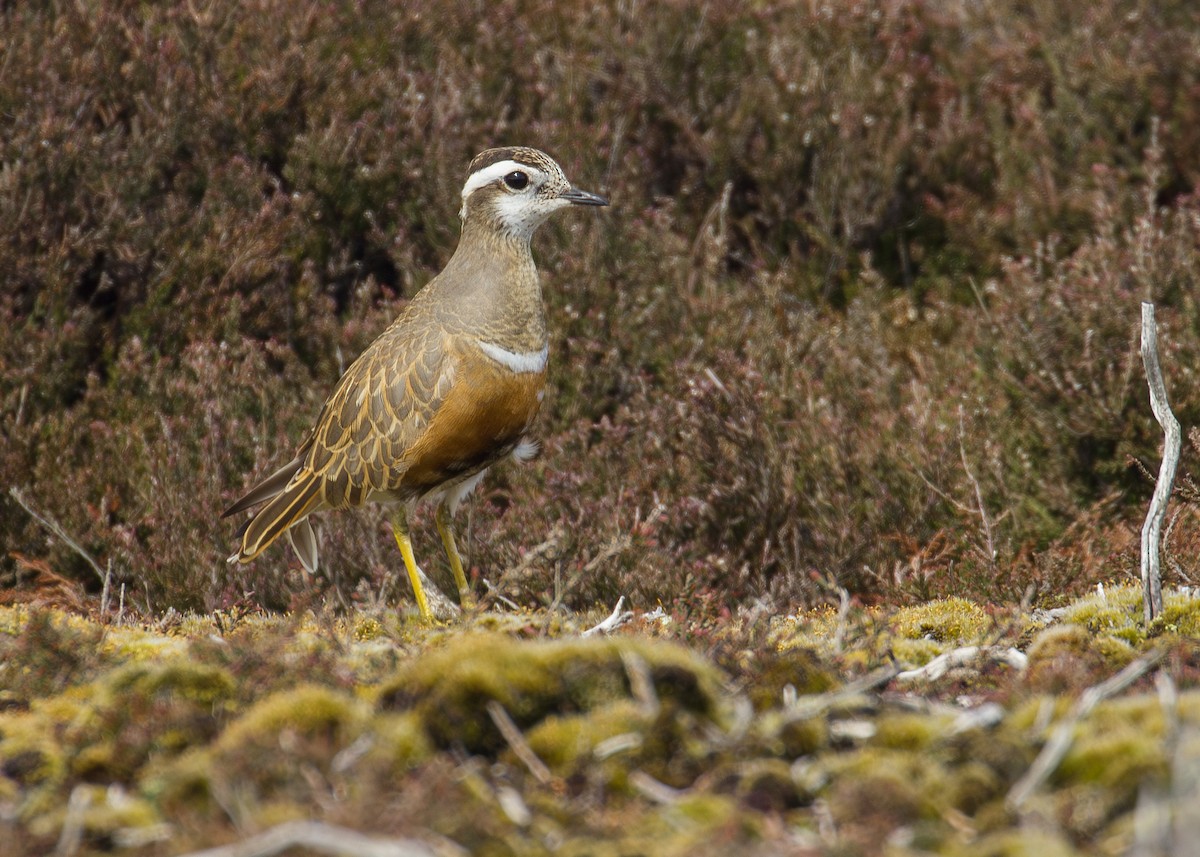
(321, 838)
(615, 620)
(1152, 528)
(808, 707)
(641, 684)
(517, 743)
(1060, 739)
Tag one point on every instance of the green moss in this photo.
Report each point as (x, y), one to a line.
(1116, 612)
(1008, 750)
(308, 711)
(568, 742)
(1181, 615)
(909, 731)
(812, 629)
(694, 824)
(108, 813)
(1189, 706)
(184, 786)
(399, 740)
(367, 628)
(201, 685)
(971, 784)
(1015, 843)
(1059, 641)
(916, 653)
(138, 645)
(702, 810)
(29, 752)
(1119, 745)
(767, 785)
(1069, 656)
(771, 672)
(1123, 758)
(450, 688)
(789, 736)
(13, 618)
(1038, 711)
(954, 621)
(902, 787)
(880, 800)
(277, 752)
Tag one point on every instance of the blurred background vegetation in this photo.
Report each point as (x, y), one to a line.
(863, 313)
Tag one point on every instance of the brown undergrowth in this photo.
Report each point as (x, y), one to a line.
(862, 313)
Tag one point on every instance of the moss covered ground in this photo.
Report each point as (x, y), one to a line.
(845, 383)
(812, 733)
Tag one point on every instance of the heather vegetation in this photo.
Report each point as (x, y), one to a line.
(863, 310)
(859, 329)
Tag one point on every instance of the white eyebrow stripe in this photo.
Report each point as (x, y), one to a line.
(527, 362)
(487, 175)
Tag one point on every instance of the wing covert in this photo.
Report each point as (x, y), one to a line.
(381, 407)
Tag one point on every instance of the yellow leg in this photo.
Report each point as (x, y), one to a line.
(446, 529)
(400, 531)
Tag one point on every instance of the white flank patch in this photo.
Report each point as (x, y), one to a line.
(527, 362)
(455, 495)
(526, 450)
(498, 170)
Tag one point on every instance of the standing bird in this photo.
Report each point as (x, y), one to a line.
(450, 388)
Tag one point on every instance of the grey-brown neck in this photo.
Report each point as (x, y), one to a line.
(492, 290)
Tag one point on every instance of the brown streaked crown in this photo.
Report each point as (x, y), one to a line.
(520, 154)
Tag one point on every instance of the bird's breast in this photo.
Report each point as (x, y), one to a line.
(490, 407)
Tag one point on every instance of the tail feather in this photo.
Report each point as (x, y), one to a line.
(270, 487)
(289, 507)
(304, 543)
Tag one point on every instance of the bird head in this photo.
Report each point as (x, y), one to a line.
(514, 189)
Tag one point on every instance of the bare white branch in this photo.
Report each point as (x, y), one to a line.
(615, 620)
(1152, 528)
(319, 837)
(962, 656)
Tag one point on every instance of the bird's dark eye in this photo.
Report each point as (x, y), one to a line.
(516, 180)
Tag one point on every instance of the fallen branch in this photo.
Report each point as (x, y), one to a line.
(517, 743)
(71, 835)
(803, 708)
(615, 620)
(654, 790)
(641, 684)
(319, 837)
(1055, 748)
(942, 664)
(1152, 528)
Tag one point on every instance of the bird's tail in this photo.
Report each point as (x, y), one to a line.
(289, 507)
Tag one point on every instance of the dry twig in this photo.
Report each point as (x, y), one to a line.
(816, 705)
(319, 837)
(641, 683)
(943, 663)
(517, 743)
(1059, 742)
(615, 620)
